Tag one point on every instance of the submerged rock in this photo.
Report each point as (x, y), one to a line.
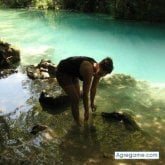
(45, 69)
(37, 128)
(127, 119)
(9, 59)
(50, 99)
(54, 97)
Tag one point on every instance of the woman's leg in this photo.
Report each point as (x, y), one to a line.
(67, 83)
(74, 98)
(77, 86)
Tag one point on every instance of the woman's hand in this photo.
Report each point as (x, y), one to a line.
(93, 107)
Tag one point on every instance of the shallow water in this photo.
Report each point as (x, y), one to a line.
(137, 50)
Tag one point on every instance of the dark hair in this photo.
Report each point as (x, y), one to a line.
(107, 64)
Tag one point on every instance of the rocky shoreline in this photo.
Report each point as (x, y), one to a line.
(45, 70)
(9, 59)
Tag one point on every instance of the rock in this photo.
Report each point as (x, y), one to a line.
(9, 59)
(53, 100)
(45, 69)
(9, 56)
(37, 128)
(107, 155)
(32, 72)
(127, 119)
(51, 94)
(4, 131)
(6, 72)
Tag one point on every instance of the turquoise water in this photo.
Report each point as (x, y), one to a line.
(136, 48)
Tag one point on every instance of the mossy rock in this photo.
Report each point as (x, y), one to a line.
(49, 99)
(9, 56)
(44, 70)
(37, 128)
(126, 118)
(9, 59)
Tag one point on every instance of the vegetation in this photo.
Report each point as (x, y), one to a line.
(152, 10)
(15, 3)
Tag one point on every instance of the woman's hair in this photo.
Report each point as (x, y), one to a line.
(107, 64)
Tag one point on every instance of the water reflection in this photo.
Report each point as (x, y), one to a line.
(13, 95)
(80, 145)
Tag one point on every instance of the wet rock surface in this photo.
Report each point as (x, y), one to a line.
(125, 118)
(44, 70)
(51, 95)
(5, 72)
(37, 128)
(9, 59)
(50, 99)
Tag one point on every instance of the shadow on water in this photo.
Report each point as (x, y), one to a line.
(54, 110)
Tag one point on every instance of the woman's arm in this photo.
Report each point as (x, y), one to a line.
(86, 71)
(86, 88)
(93, 92)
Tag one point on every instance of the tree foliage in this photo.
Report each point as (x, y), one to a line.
(15, 3)
(126, 9)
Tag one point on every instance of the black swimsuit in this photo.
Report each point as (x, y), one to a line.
(71, 65)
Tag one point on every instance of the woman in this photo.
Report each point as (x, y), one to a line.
(70, 70)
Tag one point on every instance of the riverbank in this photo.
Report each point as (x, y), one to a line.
(119, 9)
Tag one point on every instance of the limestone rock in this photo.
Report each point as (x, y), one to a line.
(45, 69)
